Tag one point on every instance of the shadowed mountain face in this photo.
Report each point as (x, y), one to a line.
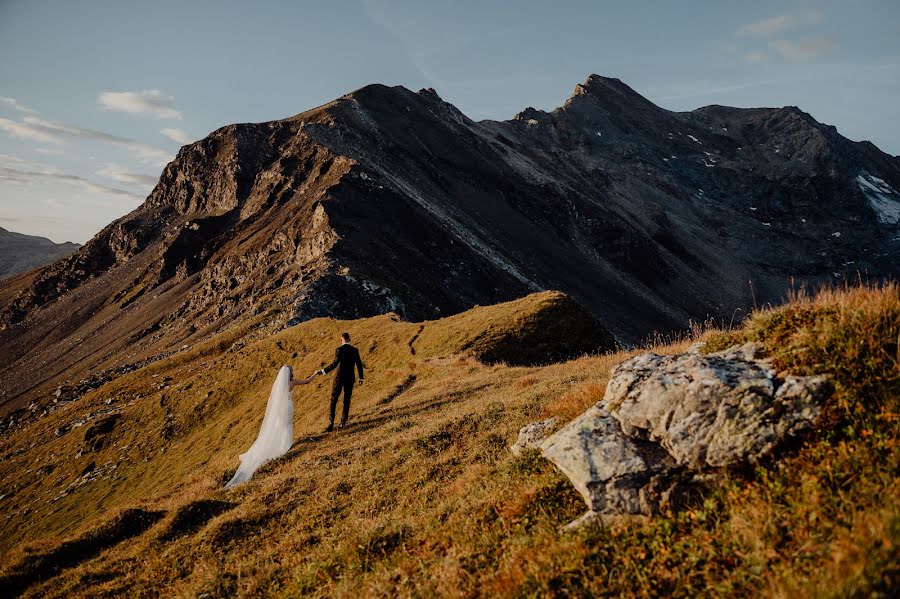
(19, 252)
(390, 200)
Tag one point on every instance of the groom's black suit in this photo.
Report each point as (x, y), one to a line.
(346, 358)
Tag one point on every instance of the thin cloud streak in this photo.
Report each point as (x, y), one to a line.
(177, 135)
(28, 177)
(771, 26)
(115, 172)
(150, 102)
(803, 50)
(33, 128)
(716, 90)
(27, 132)
(388, 26)
(15, 104)
(33, 219)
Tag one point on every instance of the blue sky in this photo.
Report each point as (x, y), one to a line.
(96, 95)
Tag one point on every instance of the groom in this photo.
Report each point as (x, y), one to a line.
(345, 359)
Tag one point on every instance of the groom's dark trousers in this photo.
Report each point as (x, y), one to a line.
(347, 388)
(346, 358)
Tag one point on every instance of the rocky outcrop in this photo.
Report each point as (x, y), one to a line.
(615, 473)
(667, 421)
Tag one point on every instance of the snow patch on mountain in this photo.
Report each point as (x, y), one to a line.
(882, 198)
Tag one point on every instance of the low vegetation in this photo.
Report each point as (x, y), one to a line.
(420, 496)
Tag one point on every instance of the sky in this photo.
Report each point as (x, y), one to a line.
(96, 96)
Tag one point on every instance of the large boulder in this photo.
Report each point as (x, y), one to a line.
(614, 472)
(666, 421)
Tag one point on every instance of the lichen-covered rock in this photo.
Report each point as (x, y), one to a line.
(608, 467)
(667, 419)
(531, 435)
(713, 410)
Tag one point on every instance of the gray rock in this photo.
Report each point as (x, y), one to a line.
(609, 468)
(666, 422)
(696, 348)
(531, 435)
(714, 410)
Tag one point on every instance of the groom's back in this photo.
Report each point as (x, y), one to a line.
(347, 357)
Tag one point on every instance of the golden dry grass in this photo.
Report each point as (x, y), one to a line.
(420, 496)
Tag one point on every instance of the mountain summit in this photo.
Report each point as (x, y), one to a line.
(388, 200)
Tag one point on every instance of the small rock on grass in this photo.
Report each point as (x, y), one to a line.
(531, 435)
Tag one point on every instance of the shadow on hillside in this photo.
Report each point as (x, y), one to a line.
(386, 414)
(191, 516)
(41, 566)
(398, 390)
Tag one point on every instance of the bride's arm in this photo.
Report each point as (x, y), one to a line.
(295, 382)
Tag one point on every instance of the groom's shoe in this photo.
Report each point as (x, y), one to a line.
(330, 428)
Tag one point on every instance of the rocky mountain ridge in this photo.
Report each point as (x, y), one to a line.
(387, 200)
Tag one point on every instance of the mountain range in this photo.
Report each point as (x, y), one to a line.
(20, 252)
(389, 200)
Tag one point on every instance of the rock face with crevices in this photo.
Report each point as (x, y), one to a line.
(666, 421)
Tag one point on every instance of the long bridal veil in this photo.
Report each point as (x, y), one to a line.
(276, 433)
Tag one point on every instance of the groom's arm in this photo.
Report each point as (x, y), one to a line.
(359, 366)
(333, 365)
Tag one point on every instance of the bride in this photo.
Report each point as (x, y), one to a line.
(277, 431)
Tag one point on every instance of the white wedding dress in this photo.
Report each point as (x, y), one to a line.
(276, 433)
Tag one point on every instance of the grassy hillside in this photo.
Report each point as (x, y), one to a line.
(421, 496)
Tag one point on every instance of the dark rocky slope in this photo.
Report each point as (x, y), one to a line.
(390, 200)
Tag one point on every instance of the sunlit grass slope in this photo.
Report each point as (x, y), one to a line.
(420, 496)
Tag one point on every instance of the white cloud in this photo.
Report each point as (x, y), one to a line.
(177, 135)
(115, 172)
(15, 104)
(803, 50)
(773, 25)
(150, 101)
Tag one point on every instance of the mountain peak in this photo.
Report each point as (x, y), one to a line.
(380, 97)
(609, 93)
(378, 94)
(599, 86)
